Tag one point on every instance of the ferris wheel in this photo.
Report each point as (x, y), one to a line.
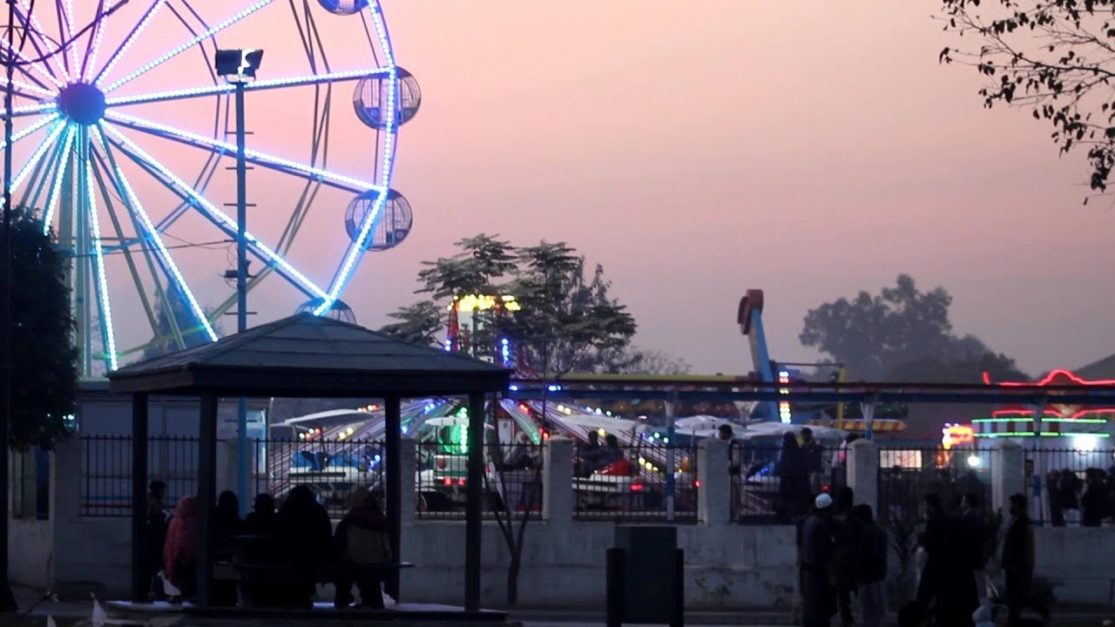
(122, 144)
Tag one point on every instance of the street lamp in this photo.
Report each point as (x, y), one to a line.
(238, 67)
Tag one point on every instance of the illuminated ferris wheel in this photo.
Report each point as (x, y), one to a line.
(123, 137)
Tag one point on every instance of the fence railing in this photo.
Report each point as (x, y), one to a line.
(1070, 487)
(106, 488)
(512, 480)
(631, 483)
(770, 486)
(908, 474)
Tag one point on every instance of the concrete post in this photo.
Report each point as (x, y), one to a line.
(862, 459)
(1008, 472)
(714, 494)
(557, 481)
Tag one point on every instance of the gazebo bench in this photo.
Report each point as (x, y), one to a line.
(249, 574)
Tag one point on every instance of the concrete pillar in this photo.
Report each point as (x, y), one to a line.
(1008, 474)
(557, 480)
(863, 472)
(714, 494)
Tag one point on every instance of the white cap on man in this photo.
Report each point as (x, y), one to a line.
(823, 501)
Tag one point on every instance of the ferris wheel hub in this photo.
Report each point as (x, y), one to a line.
(82, 103)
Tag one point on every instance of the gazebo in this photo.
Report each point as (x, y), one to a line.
(310, 357)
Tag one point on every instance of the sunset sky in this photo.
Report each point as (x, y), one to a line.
(698, 149)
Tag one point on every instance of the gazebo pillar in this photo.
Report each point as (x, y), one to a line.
(206, 490)
(393, 480)
(140, 587)
(475, 500)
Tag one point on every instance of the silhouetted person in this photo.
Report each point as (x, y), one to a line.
(814, 453)
(180, 550)
(226, 525)
(871, 568)
(612, 453)
(975, 534)
(154, 537)
(1071, 486)
(304, 535)
(725, 434)
(261, 520)
(1094, 504)
(1018, 559)
(590, 455)
(361, 540)
(817, 600)
(1056, 501)
(793, 483)
(948, 584)
(846, 534)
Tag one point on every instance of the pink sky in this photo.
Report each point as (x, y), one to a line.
(698, 149)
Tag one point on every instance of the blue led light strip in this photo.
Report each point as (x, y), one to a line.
(90, 60)
(55, 131)
(225, 223)
(39, 29)
(166, 56)
(116, 56)
(41, 107)
(258, 158)
(56, 188)
(356, 249)
(30, 129)
(29, 87)
(126, 192)
(99, 264)
(37, 67)
(226, 88)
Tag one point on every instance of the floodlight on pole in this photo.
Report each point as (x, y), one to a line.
(238, 67)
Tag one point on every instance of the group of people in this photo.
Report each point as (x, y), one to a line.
(843, 563)
(800, 468)
(592, 457)
(1088, 502)
(842, 555)
(298, 535)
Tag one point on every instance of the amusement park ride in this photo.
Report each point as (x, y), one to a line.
(121, 136)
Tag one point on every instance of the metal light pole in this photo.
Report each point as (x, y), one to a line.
(7, 601)
(243, 468)
(239, 67)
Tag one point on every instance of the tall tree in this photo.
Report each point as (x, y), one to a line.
(1055, 58)
(568, 321)
(654, 362)
(899, 333)
(45, 377)
(419, 323)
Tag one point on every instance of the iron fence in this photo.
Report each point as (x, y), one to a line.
(632, 483)
(332, 468)
(512, 480)
(106, 481)
(1070, 487)
(908, 474)
(768, 486)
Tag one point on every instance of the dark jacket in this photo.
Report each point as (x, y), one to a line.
(872, 558)
(361, 536)
(303, 531)
(975, 533)
(1018, 547)
(847, 534)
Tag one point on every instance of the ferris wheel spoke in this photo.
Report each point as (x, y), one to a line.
(56, 188)
(225, 88)
(66, 28)
(29, 90)
(286, 166)
(47, 119)
(89, 60)
(45, 146)
(100, 285)
(226, 224)
(126, 250)
(42, 178)
(29, 68)
(124, 189)
(186, 45)
(127, 43)
(38, 40)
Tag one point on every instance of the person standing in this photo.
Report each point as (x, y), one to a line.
(818, 602)
(814, 454)
(871, 568)
(793, 479)
(846, 540)
(1018, 558)
(975, 533)
(947, 583)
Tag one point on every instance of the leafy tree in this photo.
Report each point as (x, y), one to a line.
(654, 362)
(1053, 58)
(568, 321)
(45, 375)
(419, 323)
(901, 334)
